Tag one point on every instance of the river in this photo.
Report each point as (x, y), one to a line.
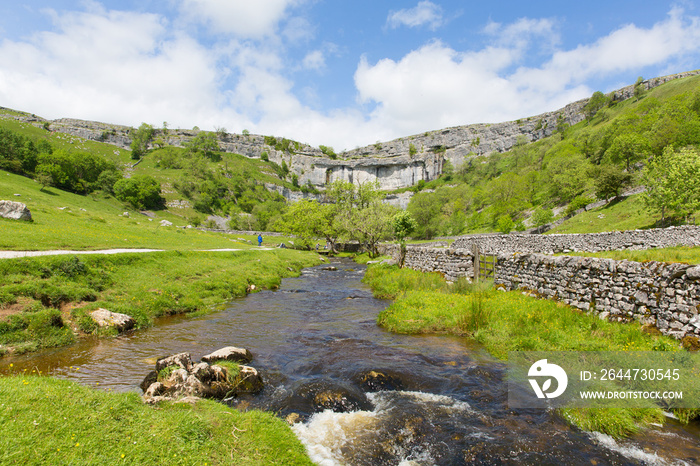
(364, 396)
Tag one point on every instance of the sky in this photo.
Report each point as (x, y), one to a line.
(335, 73)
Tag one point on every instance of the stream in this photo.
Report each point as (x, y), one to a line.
(363, 396)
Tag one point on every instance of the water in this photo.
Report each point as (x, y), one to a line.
(364, 396)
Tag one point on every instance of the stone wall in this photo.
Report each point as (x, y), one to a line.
(657, 293)
(591, 242)
(661, 294)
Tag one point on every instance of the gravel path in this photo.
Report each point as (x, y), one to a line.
(15, 254)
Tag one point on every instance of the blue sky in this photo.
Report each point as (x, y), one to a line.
(343, 74)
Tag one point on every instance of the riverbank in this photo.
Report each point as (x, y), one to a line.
(511, 321)
(45, 301)
(51, 421)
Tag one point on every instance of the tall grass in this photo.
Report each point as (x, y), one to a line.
(682, 254)
(510, 321)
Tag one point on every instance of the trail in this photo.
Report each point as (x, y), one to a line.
(16, 254)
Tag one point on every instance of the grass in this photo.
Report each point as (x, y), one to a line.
(51, 421)
(510, 321)
(626, 214)
(62, 220)
(680, 254)
(34, 291)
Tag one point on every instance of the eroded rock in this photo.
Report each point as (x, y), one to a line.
(107, 318)
(176, 377)
(14, 211)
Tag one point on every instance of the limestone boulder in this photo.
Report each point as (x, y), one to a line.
(14, 211)
(106, 318)
(229, 353)
(177, 377)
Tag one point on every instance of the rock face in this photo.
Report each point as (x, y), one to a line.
(394, 164)
(106, 318)
(14, 210)
(178, 377)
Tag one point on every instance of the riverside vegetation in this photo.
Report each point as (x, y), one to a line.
(510, 321)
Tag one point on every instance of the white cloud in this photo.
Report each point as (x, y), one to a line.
(241, 18)
(112, 66)
(437, 86)
(425, 13)
(314, 60)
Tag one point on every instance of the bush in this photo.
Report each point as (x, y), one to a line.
(141, 191)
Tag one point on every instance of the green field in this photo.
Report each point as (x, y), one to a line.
(49, 421)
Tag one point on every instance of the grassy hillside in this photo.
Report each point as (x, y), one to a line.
(597, 158)
(63, 220)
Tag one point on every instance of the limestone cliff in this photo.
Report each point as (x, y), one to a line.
(395, 164)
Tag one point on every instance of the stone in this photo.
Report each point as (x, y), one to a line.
(15, 211)
(248, 380)
(229, 353)
(693, 273)
(106, 318)
(183, 360)
(166, 223)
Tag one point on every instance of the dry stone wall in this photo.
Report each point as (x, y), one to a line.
(664, 295)
(591, 242)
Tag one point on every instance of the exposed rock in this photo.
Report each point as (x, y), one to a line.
(292, 418)
(106, 318)
(182, 360)
(166, 223)
(376, 381)
(229, 353)
(14, 211)
(331, 268)
(202, 380)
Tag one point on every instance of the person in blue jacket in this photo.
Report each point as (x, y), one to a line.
(260, 240)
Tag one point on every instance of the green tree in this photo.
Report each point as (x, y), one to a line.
(140, 139)
(204, 144)
(542, 217)
(403, 225)
(609, 180)
(309, 220)
(412, 149)
(628, 148)
(505, 224)
(141, 191)
(597, 101)
(639, 88)
(673, 183)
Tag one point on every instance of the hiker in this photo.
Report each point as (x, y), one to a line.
(260, 240)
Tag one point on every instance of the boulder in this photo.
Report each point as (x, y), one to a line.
(15, 211)
(166, 223)
(229, 353)
(186, 380)
(106, 318)
(183, 360)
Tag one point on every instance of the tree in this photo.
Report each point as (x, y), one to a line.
(609, 180)
(309, 220)
(628, 147)
(673, 183)
(542, 217)
(639, 88)
(204, 144)
(140, 138)
(597, 101)
(403, 225)
(141, 191)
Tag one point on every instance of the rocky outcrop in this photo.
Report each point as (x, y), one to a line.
(106, 318)
(178, 377)
(15, 211)
(394, 164)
